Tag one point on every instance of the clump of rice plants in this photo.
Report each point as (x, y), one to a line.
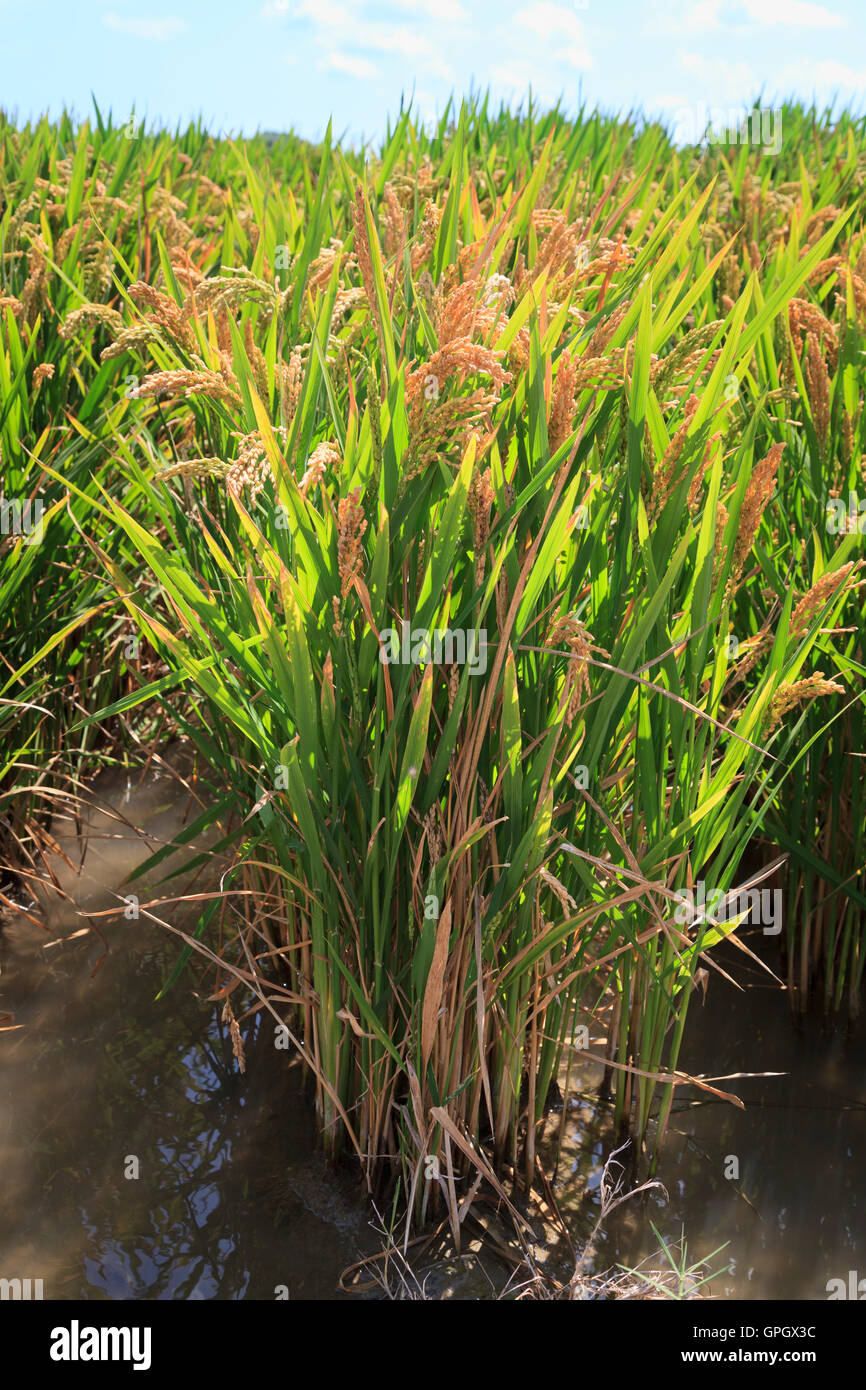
(464, 501)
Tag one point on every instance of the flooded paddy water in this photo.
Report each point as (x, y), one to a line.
(99, 1080)
(779, 1183)
(137, 1162)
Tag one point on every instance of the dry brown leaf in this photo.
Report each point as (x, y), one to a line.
(435, 984)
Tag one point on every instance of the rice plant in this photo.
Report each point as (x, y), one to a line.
(467, 502)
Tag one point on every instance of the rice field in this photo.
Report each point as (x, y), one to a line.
(484, 511)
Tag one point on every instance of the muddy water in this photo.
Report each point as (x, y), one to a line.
(137, 1162)
(114, 826)
(100, 1082)
(792, 1213)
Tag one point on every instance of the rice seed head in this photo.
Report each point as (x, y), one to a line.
(845, 273)
(760, 489)
(479, 500)
(721, 523)
(683, 358)
(207, 467)
(44, 372)
(559, 890)
(256, 360)
(747, 663)
(605, 331)
(135, 335)
(351, 526)
(324, 456)
(666, 476)
(730, 278)
(164, 312)
(805, 317)
(794, 693)
(817, 222)
(395, 222)
(821, 592)
(186, 272)
(235, 1034)
(569, 631)
(427, 233)
(188, 382)
(457, 310)
(8, 301)
(817, 381)
(251, 468)
(563, 404)
(292, 382)
(322, 268)
(460, 358)
(230, 292)
(847, 437)
(441, 429)
(434, 840)
(34, 295)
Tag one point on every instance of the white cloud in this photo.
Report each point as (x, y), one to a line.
(719, 75)
(406, 43)
(559, 29)
(798, 13)
(709, 16)
(421, 45)
(353, 14)
(350, 63)
(329, 14)
(441, 11)
(702, 16)
(827, 75)
(156, 29)
(832, 74)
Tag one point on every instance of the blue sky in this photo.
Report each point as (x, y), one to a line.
(276, 64)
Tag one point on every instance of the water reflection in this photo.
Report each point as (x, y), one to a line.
(231, 1198)
(795, 1216)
